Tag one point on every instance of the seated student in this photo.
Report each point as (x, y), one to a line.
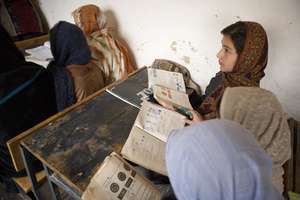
(260, 112)
(218, 160)
(27, 97)
(107, 52)
(242, 59)
(75, 76)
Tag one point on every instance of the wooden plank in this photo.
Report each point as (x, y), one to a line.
(24, 182)
(292, 167)
(32, 42)
(75, 145)
(14, 143)
(297, 157)
(288, 167)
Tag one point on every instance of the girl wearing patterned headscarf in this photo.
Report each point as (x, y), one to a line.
(108, 53)
(242, 60)
(260, 112)
(218, 160)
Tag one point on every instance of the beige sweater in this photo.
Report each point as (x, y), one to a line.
(260, 112)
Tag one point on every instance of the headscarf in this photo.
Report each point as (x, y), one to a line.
(26, 98)
(68, 46)
(260, 112)
(248, 71)
(218, 160)
(108, 53)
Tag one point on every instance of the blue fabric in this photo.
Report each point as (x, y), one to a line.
(19, 88)
(68, 45)
(218, 160)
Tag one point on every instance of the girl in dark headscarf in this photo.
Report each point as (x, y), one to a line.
(74, 75)
(26, 98)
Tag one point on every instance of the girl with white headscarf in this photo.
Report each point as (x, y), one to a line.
(216, 160)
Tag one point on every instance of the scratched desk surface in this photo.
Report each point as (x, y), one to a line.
(75, 145)
(129, 88)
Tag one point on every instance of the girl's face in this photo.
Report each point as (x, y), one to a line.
(227, 55)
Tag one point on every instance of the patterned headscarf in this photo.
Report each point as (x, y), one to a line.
(108, 54)
(260, 112)
(248, 71)
(90, 19)
(218, 159)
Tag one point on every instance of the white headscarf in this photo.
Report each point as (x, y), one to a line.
(216, 160)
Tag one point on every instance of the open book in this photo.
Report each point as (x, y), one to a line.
(41, 55)
(172, 80)
(42, 52)
(178, 100)
(146, 142)
(117, 180)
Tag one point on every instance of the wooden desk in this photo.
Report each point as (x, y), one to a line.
(75, 145)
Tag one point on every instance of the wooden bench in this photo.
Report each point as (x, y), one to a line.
(292, 167)
(24, 183)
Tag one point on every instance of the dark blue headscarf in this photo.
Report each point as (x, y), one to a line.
(68, 46)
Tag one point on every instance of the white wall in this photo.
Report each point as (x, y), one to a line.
(188, 32)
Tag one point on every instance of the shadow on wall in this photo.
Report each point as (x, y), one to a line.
(113, 24)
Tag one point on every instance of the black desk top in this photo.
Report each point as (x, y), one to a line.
(129, 88)
(75, 145)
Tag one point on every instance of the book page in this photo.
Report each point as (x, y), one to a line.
(145, 150)
(158, 121)
(42, 53)
(173, 80)
(117, 180)
(177, 99)
(37, 61)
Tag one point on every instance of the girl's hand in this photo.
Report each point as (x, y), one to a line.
(165, 104)
(197, 118)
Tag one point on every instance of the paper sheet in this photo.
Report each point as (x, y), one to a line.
(145, 150)
(172, 80)
(158, 121)
(42, 53)
(173, 97)
(117, 180)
